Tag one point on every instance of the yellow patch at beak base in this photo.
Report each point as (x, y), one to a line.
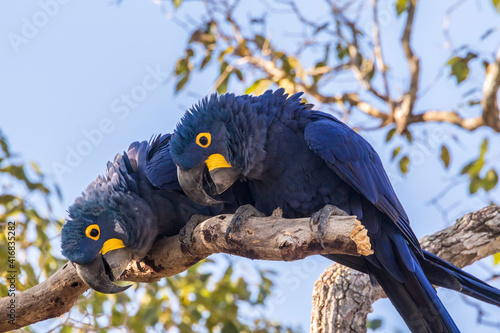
(112, 244)
(217, 161)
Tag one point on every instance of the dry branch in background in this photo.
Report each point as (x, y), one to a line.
(270, 238)
(342, 297)
(246, 52)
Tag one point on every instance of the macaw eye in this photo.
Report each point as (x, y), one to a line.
(204, 140)
(93, 231)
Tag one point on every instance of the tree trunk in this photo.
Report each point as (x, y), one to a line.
(343, 297)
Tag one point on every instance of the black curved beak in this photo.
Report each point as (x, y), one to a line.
(223, 178)
(191, 182)
(100, 273)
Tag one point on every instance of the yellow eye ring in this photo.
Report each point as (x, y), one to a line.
(204, 139)
(93, 231)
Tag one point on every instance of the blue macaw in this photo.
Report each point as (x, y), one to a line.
(310, 164)
(119, 216)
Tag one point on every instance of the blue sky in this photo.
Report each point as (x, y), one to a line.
(87, 79)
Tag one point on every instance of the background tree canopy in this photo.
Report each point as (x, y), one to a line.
(420, 80)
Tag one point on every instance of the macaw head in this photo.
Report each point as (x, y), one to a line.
(218, 141)
(108, 226)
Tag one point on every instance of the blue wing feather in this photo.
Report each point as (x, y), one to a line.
(354, 160)
(161, 170)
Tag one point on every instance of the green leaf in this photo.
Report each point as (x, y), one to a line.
(496, 4)
(5, 147)
(206, 38)
(454, 60)
(181, 83)
(183, 65)
(239, 74)
(286, 66)
(176, 3)
(223, 67)
(222, 88)
(395, 152)
(374, 324)
(260, 41)
(66, 329)
(408, 136)
(229, 327)
(36, 168)
(474, 167)
(445, 156)
(390, 134)
(466, 168)
(258, 87)
(341, 53)
(460, 66)
(484, 147)
(400, 6)
(475, 185)
(490, 180)
(403, 164)
(496, 259)
(206, 60)
(230, 49)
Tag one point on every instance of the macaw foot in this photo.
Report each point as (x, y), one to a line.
(186, 233)
(242, 214)
(321, 218)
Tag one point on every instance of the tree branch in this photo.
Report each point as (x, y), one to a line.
(490, 91)
(269, 238)
(379, 57)
(404, 111)
(275, 74)
(451, 117)
(490, 115)
(347, 35)
(471, 238)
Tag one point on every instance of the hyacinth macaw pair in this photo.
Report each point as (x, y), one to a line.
(120, 215)
(259, 153)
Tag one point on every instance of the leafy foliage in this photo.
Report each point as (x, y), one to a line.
(401, 6)
(474, 168)
(445, 156)
(460, 66)
(403, 164)
(496, 4)
(191, 301)
(374, 324)
(25, 198)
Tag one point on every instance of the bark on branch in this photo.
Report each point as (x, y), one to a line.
(342, 297)
(269, 238)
